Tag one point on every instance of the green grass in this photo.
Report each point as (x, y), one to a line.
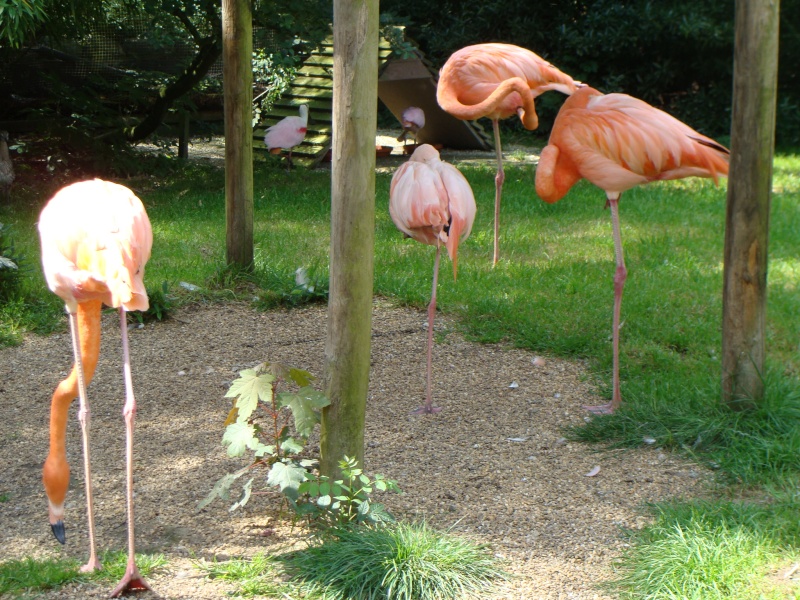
(713, 551)
(19, 576)
(29, 575)
(396, 562)
(551, 293)
(393, 562)
(256, 576)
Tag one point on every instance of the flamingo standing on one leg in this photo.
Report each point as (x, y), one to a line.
(413, 120)
(498, 81)
(432, 202)
(618, 142)
(96, 239)
(288, 133)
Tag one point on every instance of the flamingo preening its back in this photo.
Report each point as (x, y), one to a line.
(618, 142)
(431, 202)
(498, 81)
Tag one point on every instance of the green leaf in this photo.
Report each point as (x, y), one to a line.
(324, 501)
(291, 446)
(305, 405)
(310, 487)
(380, 485)
(287, 477)
(248, 388)
(325, 488)
(246, 491)
(221, 489)
(379, 514)
(364, 479)
(264, 450)
(238, 437)
(301, 377)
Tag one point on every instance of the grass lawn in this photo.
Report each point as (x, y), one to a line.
(552, 292)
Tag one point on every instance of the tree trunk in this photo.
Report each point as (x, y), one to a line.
(749, 188)
(237, 75)
(207, 55)
(347, 349)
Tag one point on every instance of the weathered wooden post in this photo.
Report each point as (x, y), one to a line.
(749, 188)
(347, 349)
(237, 75)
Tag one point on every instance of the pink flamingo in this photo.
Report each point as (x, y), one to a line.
(498, 81)
(413, 120)
(431, 202)
(287, 133)
(96, 239)
(618, 142)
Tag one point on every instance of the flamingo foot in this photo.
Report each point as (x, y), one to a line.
(427, 410)
(91, 566)
(601, 409)
(132, 581)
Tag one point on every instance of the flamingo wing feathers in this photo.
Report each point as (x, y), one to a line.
(495, 80)
(432, 202)
(617, 142)
(96, 239)
(418, 203)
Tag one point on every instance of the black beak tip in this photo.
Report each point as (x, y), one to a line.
(59, 531)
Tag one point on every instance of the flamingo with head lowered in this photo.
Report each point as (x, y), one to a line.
(618, 142)
(431, 202)
(96, 239)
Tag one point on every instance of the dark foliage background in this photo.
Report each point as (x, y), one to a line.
(675, 54)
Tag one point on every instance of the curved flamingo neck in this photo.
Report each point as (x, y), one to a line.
(56, 469)
(491, 106)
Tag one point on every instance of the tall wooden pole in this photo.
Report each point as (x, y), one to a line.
(237, 76)
(347, 349)
(744, 301)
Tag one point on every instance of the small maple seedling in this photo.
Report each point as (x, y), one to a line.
(274, 425)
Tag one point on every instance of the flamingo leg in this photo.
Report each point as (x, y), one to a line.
(83, 417)
(620, 275)
(132, 580)
(429, 408)
(499, 178)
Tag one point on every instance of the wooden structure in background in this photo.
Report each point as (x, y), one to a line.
(401, 83)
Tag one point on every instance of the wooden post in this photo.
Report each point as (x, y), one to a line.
(237, 75)
(749, 188)
(347, 349)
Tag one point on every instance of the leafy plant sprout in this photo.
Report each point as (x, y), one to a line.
(262, 413)
(275, 426)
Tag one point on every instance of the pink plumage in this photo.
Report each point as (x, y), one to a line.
(618, 142)
(431, 202)
(413, 120)
(288, 133)
(498, 81)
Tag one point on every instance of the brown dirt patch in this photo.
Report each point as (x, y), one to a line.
(492, 466)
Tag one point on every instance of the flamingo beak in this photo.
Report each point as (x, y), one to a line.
(59, 531)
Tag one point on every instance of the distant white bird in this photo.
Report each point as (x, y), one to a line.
(413, 120)
(6, 168)
(288, 133)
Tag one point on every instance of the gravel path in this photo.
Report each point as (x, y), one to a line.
(492, 466)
